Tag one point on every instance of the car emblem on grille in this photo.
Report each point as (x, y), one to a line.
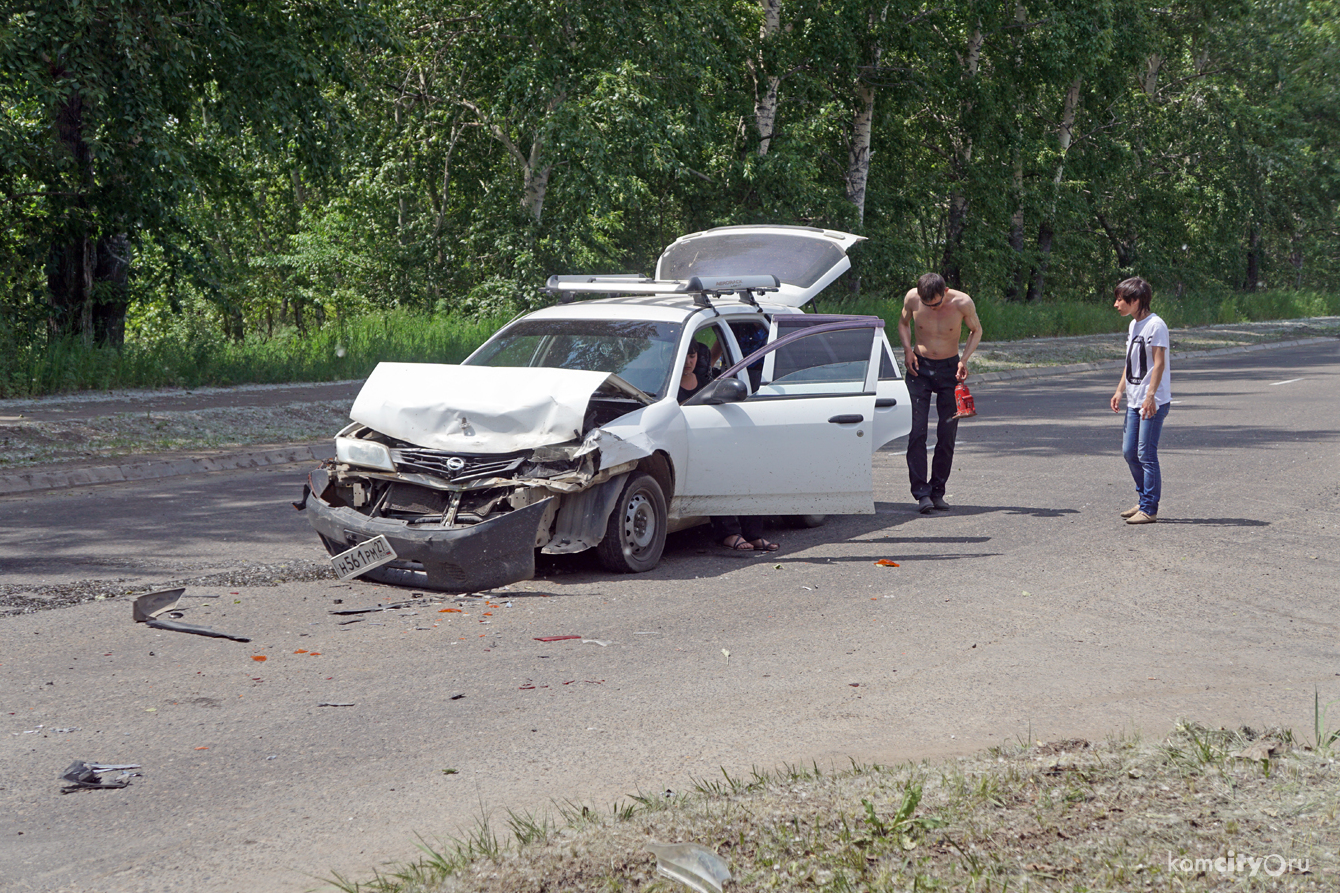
(455, 463)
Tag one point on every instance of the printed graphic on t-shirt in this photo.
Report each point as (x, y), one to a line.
(1137, 361)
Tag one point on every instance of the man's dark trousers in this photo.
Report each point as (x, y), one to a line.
(938, 377)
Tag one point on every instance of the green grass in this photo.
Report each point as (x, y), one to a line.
(191, 359)
(1062, 817)
(189, 353)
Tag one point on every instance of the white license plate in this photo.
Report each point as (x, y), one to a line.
(363, 557)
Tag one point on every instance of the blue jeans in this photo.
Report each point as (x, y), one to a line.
(1140, 448)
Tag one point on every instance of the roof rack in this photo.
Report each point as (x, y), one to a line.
(700, 287)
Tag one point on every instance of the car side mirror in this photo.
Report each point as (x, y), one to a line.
(723, 390)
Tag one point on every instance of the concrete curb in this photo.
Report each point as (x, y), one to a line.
(63, 477)
(60, 478)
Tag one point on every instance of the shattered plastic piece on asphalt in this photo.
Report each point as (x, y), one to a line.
(694, 866)
(147, 608)
(884, 562)
(555, 638)
(85, 776)
(594, 642)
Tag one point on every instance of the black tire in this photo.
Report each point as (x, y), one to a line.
(807, 520)
(635, 532)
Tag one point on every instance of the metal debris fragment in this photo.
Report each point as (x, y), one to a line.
(88, 776)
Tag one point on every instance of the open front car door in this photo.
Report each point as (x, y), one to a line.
(798, 444)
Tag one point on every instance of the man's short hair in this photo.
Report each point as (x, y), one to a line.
(930, 286)
(1134, 291)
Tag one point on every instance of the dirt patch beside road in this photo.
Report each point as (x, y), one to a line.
(92, 428)
(1042, 352)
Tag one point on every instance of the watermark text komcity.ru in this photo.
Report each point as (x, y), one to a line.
(1272, 865)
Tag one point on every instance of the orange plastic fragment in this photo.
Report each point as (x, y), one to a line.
(258, 657)
(488, 613)
(314, 654)
(884, 562)
(301, 651)
(202, 748)
(449, 611)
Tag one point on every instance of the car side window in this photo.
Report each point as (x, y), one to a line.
(888, 369)
(818, 364)
(720, 354)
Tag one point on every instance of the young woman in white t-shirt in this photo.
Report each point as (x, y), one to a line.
(1146, 384)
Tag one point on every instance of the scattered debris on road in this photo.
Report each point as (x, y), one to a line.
(147, 609)
(555, 638)
(88, 776)
(392, 607)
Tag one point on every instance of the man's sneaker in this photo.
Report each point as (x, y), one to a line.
(924, 505)
(1141, 518)
(939, 503)
(1130, 512)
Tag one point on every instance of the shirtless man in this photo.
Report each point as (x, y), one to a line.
(934, 367)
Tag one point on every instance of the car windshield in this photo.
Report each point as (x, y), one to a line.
(638, 351)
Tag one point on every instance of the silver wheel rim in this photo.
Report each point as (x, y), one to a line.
(639, 523)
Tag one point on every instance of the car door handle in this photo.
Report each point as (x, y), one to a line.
(886, 402)
(850, 419)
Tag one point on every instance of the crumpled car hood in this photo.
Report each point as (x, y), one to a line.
(481, 409)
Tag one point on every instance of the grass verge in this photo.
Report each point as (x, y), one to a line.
(189, 352)
(1199, 810)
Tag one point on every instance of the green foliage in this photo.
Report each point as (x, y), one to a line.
(295, 166)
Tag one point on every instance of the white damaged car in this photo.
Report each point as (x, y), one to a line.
(563, 431)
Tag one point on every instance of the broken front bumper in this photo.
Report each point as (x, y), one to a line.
(481, 556)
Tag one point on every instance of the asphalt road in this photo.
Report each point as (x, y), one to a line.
(1028, 611)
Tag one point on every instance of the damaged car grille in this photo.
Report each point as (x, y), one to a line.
(451, 466)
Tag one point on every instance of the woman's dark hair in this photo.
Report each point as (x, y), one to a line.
(1134, 291)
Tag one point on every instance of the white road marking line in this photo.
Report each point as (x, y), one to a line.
(1290, 381)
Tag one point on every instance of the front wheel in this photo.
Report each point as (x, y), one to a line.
(635, 532)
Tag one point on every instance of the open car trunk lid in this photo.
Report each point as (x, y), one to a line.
(482, 409)
(803, 258)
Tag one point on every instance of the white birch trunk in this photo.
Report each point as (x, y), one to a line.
(766, 99)
(858, 152)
